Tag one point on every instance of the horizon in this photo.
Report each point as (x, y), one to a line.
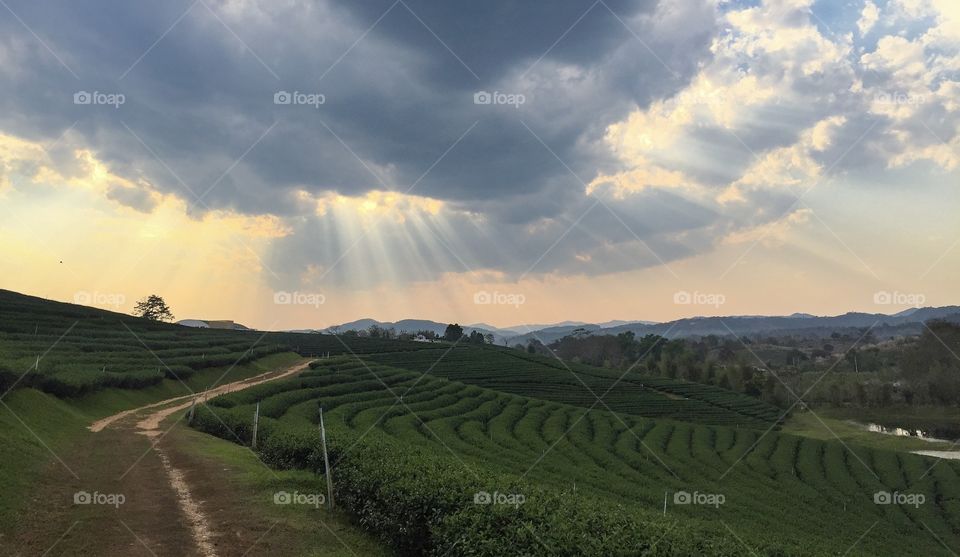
(515, 326)
(750, 206)
(765, 158)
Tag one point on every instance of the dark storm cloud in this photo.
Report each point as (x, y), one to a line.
(198, 98)
(648, 229)
(135, 198)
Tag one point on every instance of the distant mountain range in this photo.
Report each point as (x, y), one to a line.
(907, 322)
(500, 333)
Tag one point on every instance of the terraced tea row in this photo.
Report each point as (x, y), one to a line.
(71, 350)
(523, 374)
(776, 492)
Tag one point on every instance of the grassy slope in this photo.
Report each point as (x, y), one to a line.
(923, 417)
(257, 485)
(781, 488)
(105, 403)
(822, 426)
(512, 371)
(36, 426)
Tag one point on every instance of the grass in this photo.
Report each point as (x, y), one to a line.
(917, 417)
(71, 350)
(256, 484)
(481, 418)
(34, 421)
(822, 426)
(111, 401)
(546, 378)
(785, 494)
(50, 424)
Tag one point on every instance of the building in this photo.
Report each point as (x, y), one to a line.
(213, 324)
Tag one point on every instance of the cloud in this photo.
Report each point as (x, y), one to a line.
(398, 110)
(689, 121)
(136, 198)
(868, 17)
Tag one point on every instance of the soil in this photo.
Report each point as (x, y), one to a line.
(151, 495)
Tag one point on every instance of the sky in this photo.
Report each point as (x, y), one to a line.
(297, 164)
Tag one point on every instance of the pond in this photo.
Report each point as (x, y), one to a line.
(934, 434)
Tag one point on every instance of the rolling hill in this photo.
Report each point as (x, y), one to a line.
(431, 464)
(479, 450)
(908, 322)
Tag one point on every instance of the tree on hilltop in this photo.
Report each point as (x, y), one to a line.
(453, 332)
(154, 308)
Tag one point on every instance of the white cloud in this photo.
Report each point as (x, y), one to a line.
(868, 17)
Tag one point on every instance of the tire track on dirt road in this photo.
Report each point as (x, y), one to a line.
(151, 416)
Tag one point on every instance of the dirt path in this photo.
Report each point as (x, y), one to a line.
(150, 426)
(132, 491)
(202, 396)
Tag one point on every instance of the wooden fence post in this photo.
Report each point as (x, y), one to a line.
(326, 461)
(256, 422)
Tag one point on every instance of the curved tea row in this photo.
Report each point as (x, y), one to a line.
(778, 493)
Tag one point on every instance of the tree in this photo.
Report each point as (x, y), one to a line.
(153, 308)
(453, 332)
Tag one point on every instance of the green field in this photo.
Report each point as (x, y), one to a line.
(71, 351)
(421, 436)
(594, 482)
(516, 372)
(93, 363)
(38, 425)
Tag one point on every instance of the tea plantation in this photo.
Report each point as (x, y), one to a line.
(70, 350)
(517, 372)
(444, 467)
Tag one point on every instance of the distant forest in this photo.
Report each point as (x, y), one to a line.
(844, 369)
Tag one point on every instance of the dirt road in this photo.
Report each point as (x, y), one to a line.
(133, 490)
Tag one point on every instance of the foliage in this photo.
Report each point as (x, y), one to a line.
(931, 366)
(593, 482)
(154, 308)
(453, 332)
(71, 351)
(570, 383)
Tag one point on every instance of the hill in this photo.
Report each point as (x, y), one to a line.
(432, 464)
(516, 372)
(476, 450)
(70, 350)
(414, 325)
(885, 326)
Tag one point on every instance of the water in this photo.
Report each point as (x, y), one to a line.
(942, 435)
(952, 455)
